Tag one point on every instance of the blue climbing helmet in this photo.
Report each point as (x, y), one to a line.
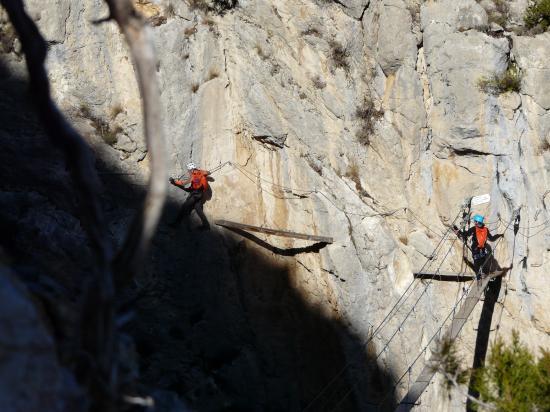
(478, 219)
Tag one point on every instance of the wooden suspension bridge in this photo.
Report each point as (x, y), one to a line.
(423, 380)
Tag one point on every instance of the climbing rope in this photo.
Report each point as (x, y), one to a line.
(297, 194)
(546, 225)
(507, 280)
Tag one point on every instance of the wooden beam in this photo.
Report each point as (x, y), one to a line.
(284, 233)
(449, 277)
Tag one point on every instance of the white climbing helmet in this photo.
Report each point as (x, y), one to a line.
(191, 166)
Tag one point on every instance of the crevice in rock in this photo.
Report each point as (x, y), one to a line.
(225, 67)
(65, 22)
(269, 140)
(340, 3)
(472, 152)
(364, 11)
(465, 168)
(350, 232)
(304, 266)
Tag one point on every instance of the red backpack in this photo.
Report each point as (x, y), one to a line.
(199, 180)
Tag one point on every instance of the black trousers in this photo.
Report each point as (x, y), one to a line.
(481, 261)
(193, 201)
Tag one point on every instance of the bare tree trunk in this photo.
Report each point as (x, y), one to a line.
(129, 260)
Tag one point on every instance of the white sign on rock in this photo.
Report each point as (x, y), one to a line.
(479, 200)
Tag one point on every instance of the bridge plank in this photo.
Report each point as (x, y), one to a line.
(276, 232)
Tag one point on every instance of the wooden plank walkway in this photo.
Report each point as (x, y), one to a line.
(445, 276)
(425, 377)
(284, 233)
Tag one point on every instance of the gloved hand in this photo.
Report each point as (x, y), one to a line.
(171, 180)
(455, 228)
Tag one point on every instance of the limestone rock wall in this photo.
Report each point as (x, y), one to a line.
(353, 119)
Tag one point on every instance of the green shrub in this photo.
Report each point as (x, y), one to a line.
(449, 364)
(513, 380)
(538, 14)
(509, 81)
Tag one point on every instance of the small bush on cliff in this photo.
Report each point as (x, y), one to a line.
(509, 81)
(513, 379)
(537, 15)
(339, 56)
(367, 116)
(212, 6)
(107, 131)
(353, 173)
(449, 364)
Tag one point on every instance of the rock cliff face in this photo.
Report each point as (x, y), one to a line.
(361, 120)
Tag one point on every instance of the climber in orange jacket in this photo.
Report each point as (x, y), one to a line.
(198, 185)
(479, 234)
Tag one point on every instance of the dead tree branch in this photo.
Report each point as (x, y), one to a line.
(129, 260)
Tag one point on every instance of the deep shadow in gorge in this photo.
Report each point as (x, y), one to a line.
(217, 319)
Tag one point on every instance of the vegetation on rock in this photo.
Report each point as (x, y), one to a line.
(105, 129)
(509, 81)
(339, 56)
(513, 380)
(367, 115)
(213, 6)
(538, 15)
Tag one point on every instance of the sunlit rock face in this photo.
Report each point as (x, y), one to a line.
(364, 121)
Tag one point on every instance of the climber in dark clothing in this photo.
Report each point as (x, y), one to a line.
(198, 186)
(479, 234)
